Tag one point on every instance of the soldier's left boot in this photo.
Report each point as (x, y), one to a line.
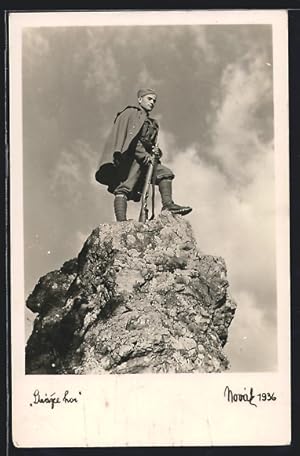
(120, 207)
(165, 189)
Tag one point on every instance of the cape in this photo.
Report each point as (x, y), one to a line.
(126, 126)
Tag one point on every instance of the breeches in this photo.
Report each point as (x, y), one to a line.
(136, 170)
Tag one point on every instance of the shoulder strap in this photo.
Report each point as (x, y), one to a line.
(154, 121)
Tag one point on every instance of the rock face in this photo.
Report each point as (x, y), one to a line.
(140, 298)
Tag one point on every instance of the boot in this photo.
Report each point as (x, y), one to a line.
(120, 207)
(165, 189)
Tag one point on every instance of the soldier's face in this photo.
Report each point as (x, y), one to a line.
(147, 102)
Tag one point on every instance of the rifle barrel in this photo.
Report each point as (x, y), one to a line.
(142, 217)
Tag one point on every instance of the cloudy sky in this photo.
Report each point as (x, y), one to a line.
(215, 109)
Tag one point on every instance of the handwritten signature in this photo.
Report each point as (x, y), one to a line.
(53, 399)
(248, 396)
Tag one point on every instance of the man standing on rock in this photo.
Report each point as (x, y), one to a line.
(132, 143)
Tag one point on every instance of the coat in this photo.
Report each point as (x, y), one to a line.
(121, 140)
(127, 125)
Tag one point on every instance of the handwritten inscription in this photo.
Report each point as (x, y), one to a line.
(53, 399)
(248, 396)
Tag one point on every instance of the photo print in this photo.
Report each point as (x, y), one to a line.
(149, 214)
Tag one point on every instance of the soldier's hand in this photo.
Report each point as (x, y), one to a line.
(157, 152)
(142, 157)
(117, 158)
(147, 159)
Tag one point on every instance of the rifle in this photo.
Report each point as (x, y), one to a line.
(143, 217)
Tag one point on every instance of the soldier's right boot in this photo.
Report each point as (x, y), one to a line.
(165, 188)
(120, 207)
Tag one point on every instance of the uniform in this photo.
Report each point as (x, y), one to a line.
(146, 140)
(131, 140)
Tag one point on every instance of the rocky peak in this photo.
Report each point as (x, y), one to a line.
(140, 298)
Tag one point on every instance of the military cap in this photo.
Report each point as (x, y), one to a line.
(143, 92)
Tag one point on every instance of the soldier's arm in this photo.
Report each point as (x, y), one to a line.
(141, 155)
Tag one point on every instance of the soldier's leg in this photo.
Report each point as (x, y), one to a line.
(164, 177)
(121, 192)
(120, 207)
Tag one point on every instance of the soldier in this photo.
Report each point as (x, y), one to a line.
(132, 143)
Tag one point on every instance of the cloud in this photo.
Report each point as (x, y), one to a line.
(234, 207)
(240, 228)
(73, 171)
(237, 129)
(102, 75)
(146, 79)
(35, 43)
(248, 331)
